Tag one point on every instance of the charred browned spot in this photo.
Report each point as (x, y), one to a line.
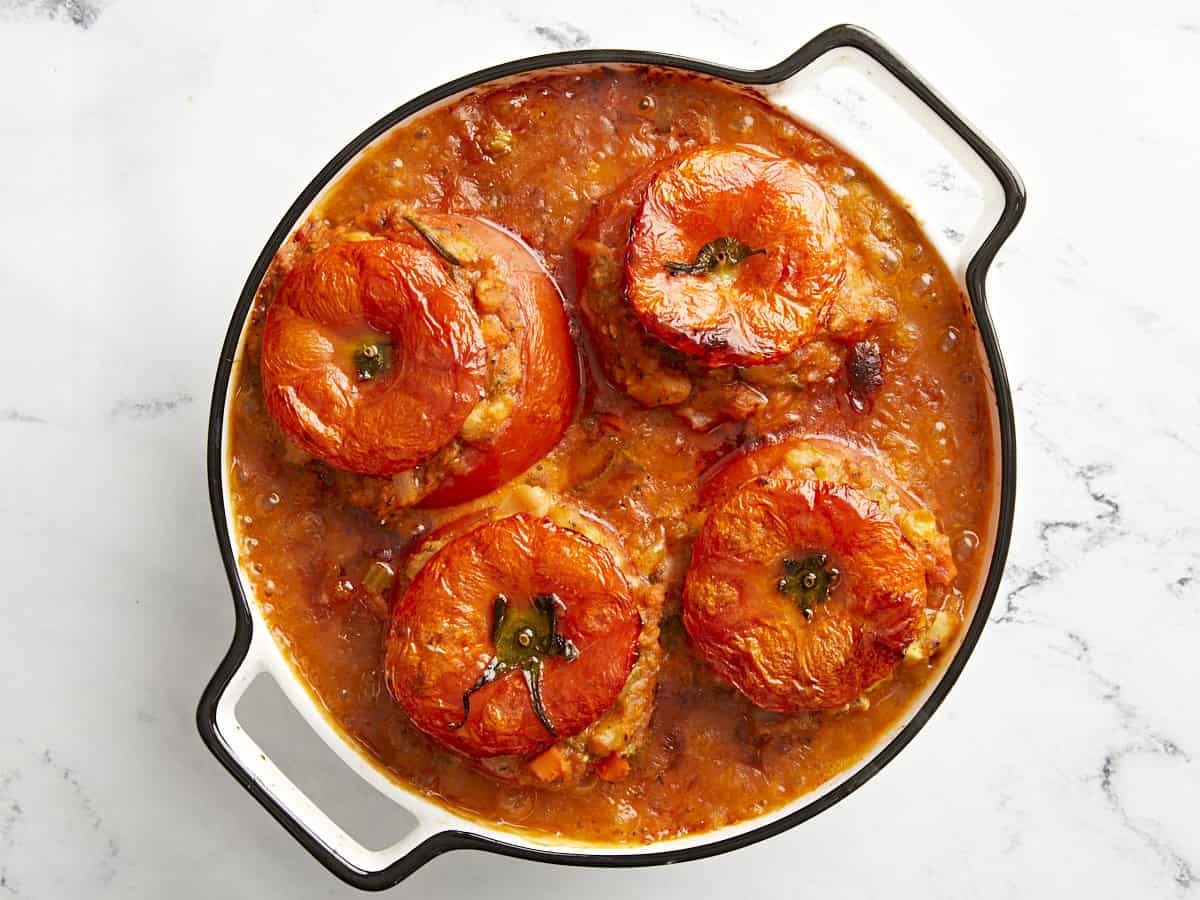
(676, 359)
(689, 727)
(324, 475)
(864, 372)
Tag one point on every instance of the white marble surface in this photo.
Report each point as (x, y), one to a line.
(147, 149)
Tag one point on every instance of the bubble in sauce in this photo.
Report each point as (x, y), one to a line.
(516, 804)
(965, 546)
(888, 259)
(949, 342)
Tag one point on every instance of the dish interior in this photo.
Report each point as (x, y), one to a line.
(535, 157)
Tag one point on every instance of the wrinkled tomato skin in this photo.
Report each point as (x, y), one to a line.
(550, 388)
(757, 638)
(771, 302)
(440, 637)
(768, 458)
(367, 289)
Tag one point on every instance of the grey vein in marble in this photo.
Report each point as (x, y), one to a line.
(88, 811)
(148, 408)
(21, 417)
(713, 14)
(1069, 265)
(81, 13)
(10, 809)
(1180, 439)
(563, 35)
(1183, 873)
(1104, 526)
(1144, 740)
(12, 818)
(1179, 587)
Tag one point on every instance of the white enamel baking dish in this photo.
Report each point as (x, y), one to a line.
(845, 84)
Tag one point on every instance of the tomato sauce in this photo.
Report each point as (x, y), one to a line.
(534, 157)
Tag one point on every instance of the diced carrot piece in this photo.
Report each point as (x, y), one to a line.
(550, 765)
(613, 767)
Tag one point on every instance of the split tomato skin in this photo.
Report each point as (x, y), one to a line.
(758, 638)
(398, 300)
(549, 391)
(441, 637)
(766, 300)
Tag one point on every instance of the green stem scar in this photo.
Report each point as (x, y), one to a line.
(808, 582)
(523, 639)
(723, 252)
(372, 358)
(426, 232)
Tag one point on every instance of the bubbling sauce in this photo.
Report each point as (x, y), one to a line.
(534, 157)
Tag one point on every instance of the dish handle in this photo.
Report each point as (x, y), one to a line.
(229, 741)
(253, 654)
(848, 84)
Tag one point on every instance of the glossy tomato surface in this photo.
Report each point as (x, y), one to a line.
(862, 468)
(734, 256)
(755, 635)
(372, 356)
(443, 637)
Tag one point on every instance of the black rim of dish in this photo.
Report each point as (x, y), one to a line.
(1014, 204)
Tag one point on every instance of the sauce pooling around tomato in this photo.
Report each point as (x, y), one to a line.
(536, 157)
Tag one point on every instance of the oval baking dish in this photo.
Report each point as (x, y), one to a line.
(844, 84)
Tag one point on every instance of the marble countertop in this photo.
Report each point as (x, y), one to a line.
(147, 148)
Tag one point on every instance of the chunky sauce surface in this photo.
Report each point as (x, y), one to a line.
(534, 157)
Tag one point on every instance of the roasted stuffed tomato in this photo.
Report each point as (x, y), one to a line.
(431, 350)
(716, 277)
(734, 255)
(783, 422)
(518, 642)
(813, 576)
